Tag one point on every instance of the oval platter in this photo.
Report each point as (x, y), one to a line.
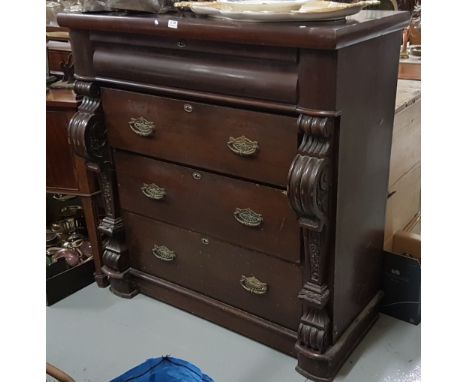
(309, 11)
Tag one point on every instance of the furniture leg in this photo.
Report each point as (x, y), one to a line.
(92, 220)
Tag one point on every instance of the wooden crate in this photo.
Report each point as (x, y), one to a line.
(409, 70)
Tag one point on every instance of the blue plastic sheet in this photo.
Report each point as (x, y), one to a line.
(164, 369)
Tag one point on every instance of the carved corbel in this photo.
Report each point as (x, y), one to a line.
(308, 192)
(88, 137)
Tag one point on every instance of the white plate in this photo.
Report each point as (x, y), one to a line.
(308, 12)
(264, 5)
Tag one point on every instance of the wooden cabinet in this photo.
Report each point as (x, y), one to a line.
(244, 169)
(60, 164)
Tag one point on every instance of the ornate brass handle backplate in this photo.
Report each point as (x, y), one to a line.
(141, 126)
(253, 285)
(153, 191)
(247, 217)
(242, 146)
(163, 253)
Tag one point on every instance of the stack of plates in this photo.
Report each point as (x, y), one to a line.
(276, 10)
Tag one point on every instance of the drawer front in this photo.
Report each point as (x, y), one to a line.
(226, 208)
(217, 269)
(187, 47)
(244, 143)
(260, 79)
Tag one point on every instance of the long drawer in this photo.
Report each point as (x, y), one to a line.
(259, 78)
(254, 145)
(243, 213)
(248, 280)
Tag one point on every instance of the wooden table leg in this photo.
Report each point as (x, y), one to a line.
(58, 374)
(92, 221)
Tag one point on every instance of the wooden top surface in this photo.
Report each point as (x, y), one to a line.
(314, 35)
(61, 98)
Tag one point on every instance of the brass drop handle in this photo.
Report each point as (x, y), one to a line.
(242, 146)
(163, 253)
(141, 126)
(247, 217)
(253, 285)
(153, 191)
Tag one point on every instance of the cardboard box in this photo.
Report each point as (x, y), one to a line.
(408, 240)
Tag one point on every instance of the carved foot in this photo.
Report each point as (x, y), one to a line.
(101, 280)
(324, 366)
(115, 260)
(122, 285)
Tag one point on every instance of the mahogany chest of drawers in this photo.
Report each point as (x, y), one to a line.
(244, 168)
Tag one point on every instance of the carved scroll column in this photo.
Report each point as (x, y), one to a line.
(308, 191)
(88, 137)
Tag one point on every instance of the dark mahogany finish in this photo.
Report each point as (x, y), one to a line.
(319, 182)
(57, 58)
(61, 171)
(193, 201)
(215, 268)
(197, 134)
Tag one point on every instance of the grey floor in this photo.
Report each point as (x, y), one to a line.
(95, 336)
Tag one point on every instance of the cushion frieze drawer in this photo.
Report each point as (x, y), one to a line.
(252, 281)
(236, 211)
(252, 78)
(254, 145)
